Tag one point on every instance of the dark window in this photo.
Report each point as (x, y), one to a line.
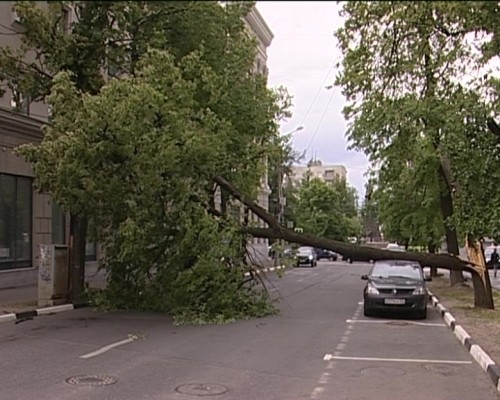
(19, 102)
(58, 224)
(15, 222)
(91, 246)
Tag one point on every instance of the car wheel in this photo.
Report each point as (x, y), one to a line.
(422, 314)
(367, 312)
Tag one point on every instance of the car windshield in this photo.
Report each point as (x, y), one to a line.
(396, 270)
(305, 250)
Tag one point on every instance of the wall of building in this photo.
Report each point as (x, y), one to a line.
(327, 173)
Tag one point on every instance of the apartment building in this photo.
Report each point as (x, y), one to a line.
(315, 169)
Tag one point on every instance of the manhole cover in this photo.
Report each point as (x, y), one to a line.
(398, 323)
(445, 370)
(202, 389)
(91, 380)
(382, 371)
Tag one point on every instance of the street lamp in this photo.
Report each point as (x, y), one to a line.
(299, 128)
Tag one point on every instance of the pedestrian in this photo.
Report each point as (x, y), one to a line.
(494, 261)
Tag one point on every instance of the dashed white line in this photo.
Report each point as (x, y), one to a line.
(341, 346)
(108, 347)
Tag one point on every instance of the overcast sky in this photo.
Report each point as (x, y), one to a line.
(301, 58)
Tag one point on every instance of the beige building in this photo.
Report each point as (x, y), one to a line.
(315, 169)
(25, 215)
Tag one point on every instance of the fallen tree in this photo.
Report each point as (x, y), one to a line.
(482, 289)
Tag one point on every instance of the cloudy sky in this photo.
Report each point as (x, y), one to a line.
(302, 58)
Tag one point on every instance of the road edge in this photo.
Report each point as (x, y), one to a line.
(30, 314)
(475, 350)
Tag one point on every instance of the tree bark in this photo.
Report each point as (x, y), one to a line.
(446, 204)
(77, 241)
(431, 248)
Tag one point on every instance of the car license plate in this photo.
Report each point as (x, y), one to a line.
(394, 301)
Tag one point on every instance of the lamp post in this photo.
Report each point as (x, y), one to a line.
(281, 197)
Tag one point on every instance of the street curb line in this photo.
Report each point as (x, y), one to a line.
(477, 353)
(258, 271)
(30, 314)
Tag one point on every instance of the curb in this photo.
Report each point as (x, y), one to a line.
(477, 353)
(27, 315)
(259, 271)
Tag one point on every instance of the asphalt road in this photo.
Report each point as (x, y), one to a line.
(319, 347)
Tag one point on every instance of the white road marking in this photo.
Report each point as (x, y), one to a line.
(329, 357)
(344, 339)
(361, 303)
(325, 376)
(367, 321)
(109, 347)
(317, 392)
(341, 346)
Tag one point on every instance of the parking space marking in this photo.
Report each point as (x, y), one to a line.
(385, 321)
(109, 347)
(329, 357)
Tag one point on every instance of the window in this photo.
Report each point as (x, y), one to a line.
(19, 102)
(65, 20)
(91, 245)
(58, 224)
(16, 17)
(15, 222)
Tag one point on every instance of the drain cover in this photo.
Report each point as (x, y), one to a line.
(91, 380)
(202, 389)
(382, 371)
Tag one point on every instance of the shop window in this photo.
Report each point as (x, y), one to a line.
(15, 222)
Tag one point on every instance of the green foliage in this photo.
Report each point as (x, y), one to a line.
(413, 108)
(138, 154)
(327, 210)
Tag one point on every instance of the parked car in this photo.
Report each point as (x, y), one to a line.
(323, 254)
(394, 247)
(396, 285)
(306, 256)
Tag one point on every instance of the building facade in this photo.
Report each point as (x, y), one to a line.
(28, 218)
(255, 23)
(315, 169)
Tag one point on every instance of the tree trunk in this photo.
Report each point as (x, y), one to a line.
(431, 248)
(77, 241)
(483, 296)
(446, 204)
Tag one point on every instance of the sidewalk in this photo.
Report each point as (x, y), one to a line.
(26, 297)
(495, 282)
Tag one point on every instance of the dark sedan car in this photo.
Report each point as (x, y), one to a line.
(306, 256)
(395, 285)
(323, 254)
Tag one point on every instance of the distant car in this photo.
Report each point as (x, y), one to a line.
(395, 285)
(323, 254)
(306, 256)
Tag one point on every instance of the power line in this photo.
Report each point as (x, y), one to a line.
(320, 121)
(318, 92)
